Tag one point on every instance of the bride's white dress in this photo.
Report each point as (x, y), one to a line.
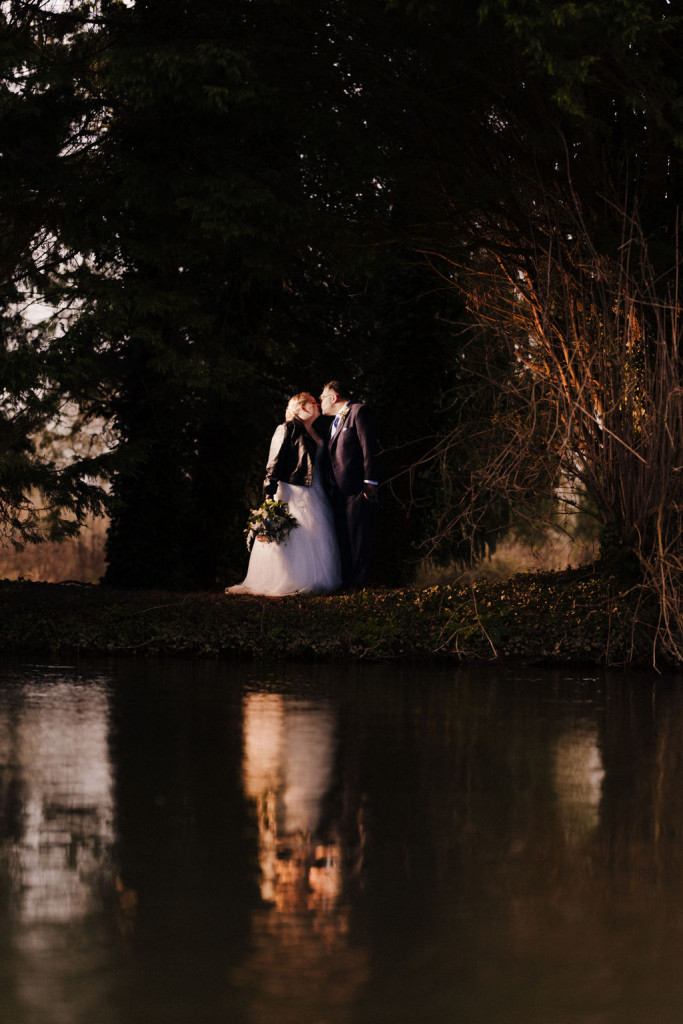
(308, 561)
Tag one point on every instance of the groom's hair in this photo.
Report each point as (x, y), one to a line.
(339, 388)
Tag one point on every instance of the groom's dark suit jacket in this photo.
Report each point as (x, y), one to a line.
(353, 452)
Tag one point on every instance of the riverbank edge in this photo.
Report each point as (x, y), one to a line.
(573, 617)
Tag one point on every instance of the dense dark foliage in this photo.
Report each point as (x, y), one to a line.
(210, 229)
(41, 493)
(228, 203)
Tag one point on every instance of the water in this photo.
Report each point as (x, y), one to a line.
(206, 843)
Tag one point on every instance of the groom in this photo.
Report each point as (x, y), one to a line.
(353, 478)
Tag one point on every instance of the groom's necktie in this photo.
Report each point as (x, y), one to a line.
(335, 424)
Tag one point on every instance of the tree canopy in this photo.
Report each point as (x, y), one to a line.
(469, 210)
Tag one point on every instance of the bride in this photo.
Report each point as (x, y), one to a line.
(307, 562)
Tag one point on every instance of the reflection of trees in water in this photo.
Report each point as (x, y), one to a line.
(56, 790)
(301, 962)
(642, 812)
(487, 849)
(185, 843)
(56, 809)
(609, 902)
(289, 750)
(549, 874)
(506, 817)
(578, 781)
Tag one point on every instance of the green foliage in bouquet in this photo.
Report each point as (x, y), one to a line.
(271, 522)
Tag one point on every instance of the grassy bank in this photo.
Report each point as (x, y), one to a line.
(570, 617)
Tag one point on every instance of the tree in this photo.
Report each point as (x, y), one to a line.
(561, 232)
(221, 228)
(41, 494)
(190, 224)
(242, 189)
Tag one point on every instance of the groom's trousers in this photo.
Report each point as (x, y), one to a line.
(354, 520)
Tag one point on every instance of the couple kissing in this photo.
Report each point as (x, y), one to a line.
(324, 465)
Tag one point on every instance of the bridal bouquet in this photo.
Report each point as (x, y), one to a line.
(271, 522)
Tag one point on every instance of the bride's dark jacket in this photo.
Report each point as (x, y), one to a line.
(291, 457)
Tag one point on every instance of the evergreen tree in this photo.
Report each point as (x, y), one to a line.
(42, 117)
(236, 194)
(191, 221)
(224, 215)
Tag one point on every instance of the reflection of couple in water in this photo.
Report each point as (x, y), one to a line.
(324, 463)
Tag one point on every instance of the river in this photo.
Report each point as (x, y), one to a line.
(204, 842)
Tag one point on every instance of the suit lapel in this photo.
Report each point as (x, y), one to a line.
(342, 420)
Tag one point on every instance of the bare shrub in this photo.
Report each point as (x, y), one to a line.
(594, 406)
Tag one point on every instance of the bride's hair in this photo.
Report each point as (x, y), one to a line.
(295, 403)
